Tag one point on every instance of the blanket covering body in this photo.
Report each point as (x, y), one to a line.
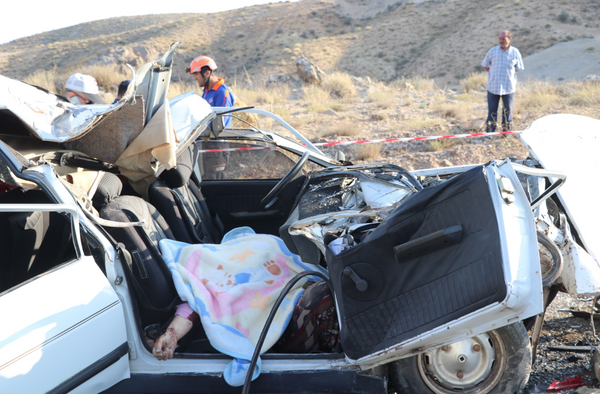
(233, 287)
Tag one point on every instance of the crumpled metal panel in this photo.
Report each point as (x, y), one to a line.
(343, 204)
(47, 116)
(113, 135)
(570, 144)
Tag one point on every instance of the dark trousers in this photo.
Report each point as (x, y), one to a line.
(507, 111)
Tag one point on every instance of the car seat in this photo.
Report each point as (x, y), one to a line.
(32, 242)
(147, 271)
(179, 200)
(145, 268)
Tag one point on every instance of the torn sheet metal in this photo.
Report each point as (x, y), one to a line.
(570, 144)
(47, 116)
(581, 272)
(190, 114)
(315, 227)
(381, 195)
(341, 205)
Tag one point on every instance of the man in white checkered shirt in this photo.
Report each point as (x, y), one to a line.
(502, 62)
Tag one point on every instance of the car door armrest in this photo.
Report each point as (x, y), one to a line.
(428, 244)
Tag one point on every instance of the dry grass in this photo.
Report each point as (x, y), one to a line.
(474, 82)
(317, 99)
(263, 95)
(345, 128)
(452, 110)
(177, 88)
(470, 98)
(244, 120)
(367, 152)
(108, 76)
(339, 85)
(47, 79)
(442, 143)
(421, 123)
(299, 122)
(419, 83)
(539, 101)
(541, 96)
(381, 96)
(587, 95)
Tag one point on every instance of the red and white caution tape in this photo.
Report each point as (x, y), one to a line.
(407, 139)
(385, 140)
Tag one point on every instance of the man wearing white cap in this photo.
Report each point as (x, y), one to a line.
(83, 89)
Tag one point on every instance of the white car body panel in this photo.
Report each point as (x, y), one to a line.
(581, 272)
(188, 111)
(577, 138)
(66, 320)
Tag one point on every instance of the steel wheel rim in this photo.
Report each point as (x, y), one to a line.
(466, 366)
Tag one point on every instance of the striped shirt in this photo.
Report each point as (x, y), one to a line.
(503, 65)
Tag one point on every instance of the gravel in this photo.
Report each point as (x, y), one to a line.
(563, 329)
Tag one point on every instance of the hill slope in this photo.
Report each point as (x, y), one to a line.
(385, 40)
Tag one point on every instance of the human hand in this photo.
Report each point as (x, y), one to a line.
(164, 347)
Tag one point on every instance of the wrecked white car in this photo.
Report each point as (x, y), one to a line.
(435, 273)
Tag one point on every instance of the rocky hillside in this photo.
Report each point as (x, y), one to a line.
(385, 40)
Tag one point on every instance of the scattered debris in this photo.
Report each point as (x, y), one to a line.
(573, 358)
(568, 383)
(584, 314)
(574, 349)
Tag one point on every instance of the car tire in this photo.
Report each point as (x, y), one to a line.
(496, 362)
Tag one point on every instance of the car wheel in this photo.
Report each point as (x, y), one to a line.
(497, 361)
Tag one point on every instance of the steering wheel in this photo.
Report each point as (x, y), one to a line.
(271, 197)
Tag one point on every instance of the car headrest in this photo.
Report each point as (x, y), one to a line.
(109, 188)
(180, 175)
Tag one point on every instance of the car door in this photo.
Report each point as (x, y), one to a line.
(63, 327)
(453, 261)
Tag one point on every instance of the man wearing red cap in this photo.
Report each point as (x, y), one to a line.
(215, 91)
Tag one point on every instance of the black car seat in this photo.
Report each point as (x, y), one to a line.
(32, 242)
(151, 279)
(146, 270)
(179, 200)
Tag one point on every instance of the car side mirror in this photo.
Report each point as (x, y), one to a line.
(213, 130)
(216, 126)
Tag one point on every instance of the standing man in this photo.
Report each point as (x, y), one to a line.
(501, 62)
(215, 91)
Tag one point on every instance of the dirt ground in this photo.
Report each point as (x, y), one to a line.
(562, 328)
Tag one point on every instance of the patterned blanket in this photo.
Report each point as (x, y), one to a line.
(233, 287)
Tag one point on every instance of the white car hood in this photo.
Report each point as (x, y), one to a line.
(570, 144)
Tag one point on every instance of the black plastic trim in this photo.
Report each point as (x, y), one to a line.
(284, 382)
(92, 370)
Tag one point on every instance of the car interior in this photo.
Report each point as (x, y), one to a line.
(32, 242)
(176, 210)
(176, 207)
(35, 241)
